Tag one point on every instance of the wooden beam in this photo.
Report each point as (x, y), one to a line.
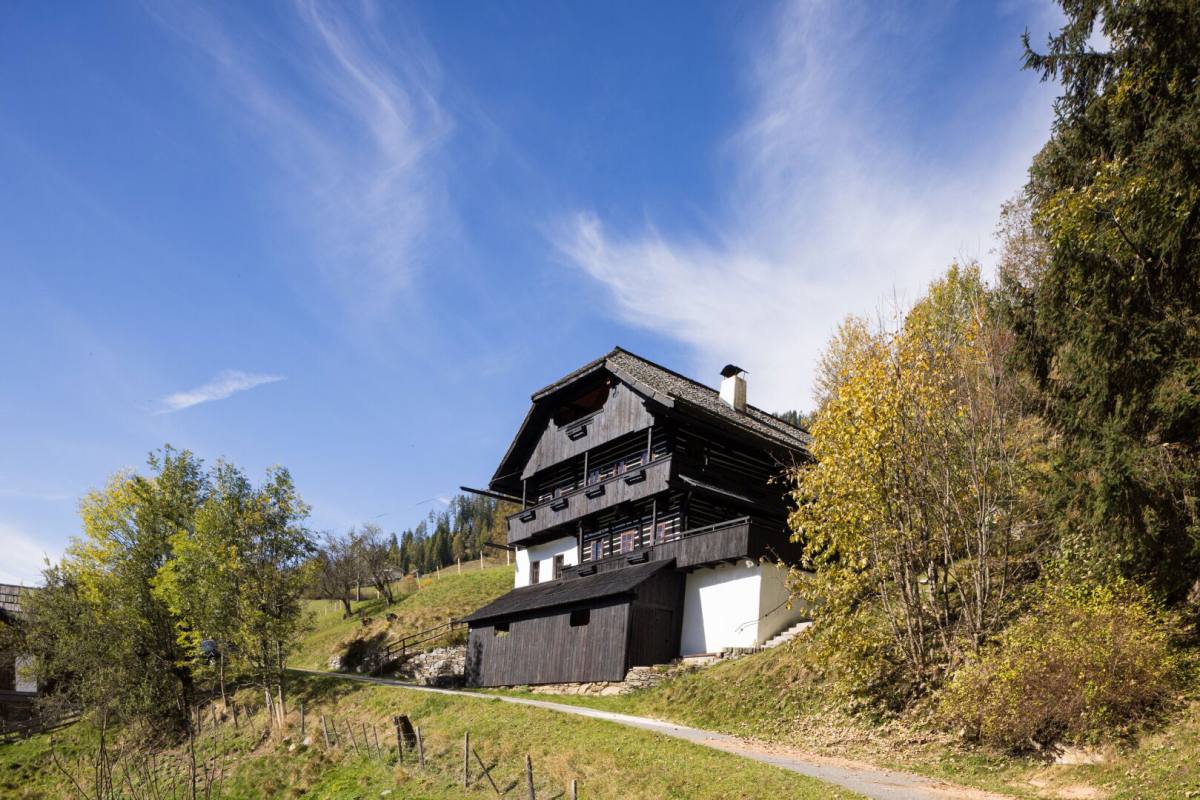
(508, 498)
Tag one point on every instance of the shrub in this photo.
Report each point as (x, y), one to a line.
(1084, 664)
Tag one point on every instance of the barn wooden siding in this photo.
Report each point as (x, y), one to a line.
(541, 646)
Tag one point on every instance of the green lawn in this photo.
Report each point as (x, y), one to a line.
(437, 600)
(606, 759)
(778, 696)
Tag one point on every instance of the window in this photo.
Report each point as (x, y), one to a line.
(628, 541)
(589, 403)
(660, 533)
(596, 549)
(534, 569)
(558, 565)
(581, 617)
(500, 629)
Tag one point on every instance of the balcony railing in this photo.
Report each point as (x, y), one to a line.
(629, 485)
(729, 540)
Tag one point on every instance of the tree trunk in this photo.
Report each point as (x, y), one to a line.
(221, 677)
(279, 679)
(346, 610)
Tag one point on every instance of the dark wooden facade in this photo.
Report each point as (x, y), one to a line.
(596, 639)
(637, 464)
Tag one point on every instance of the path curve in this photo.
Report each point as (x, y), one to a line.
(866, 779)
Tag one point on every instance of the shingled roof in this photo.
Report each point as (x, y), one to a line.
(688, 391)
(10, 600)
(569, 591)
(680, 388)
(670, 389)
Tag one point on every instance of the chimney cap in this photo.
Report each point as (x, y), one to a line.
(730, 370)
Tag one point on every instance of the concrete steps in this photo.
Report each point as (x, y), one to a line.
(788, 635)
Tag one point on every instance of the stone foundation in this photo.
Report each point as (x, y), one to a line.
(636, 678)
(442, 667)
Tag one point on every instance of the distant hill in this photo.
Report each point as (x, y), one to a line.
(438, 599)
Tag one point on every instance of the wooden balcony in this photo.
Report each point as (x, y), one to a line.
(733, 540)
(635, 484)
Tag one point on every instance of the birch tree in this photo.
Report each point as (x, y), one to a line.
(913, 514)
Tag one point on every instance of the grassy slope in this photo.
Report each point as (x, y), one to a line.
(438, 599)
(607, 760)
(774, 696)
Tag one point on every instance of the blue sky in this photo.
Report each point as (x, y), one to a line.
(352, 238)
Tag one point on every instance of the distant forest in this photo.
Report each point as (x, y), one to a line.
(460, 531)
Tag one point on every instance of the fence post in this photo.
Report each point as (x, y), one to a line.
(529, 776)
(466, 763)
(350, 730)
(399, 741)
(574, 790)
(420, 750)
(375, 733)
(324, 731)
(233, 708)
(302, 720)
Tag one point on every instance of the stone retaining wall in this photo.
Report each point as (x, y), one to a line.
(442, 667)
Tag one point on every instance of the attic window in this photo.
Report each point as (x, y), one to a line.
(500, 629)
(581, 617)
(581, 406)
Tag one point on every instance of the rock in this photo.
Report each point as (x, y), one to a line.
(1079, 755)
(335, 663)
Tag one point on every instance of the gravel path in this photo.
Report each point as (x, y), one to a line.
(868, 780)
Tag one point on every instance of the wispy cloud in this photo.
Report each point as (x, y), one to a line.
(228, 383)
(344, 99)
(24, 557)
(829, 205)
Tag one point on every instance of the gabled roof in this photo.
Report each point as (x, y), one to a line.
(671, 390)
(570, 591)
(685, 390)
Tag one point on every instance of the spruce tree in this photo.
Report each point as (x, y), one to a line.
(1109, 324)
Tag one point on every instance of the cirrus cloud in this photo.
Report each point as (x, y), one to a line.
(228, 383)
(843, 189)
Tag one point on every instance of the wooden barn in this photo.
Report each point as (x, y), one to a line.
(649, 527)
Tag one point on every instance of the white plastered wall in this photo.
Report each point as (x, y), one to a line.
(721, 608)
(735, 605)
(775, 615)
(545, 553)
(24, 663)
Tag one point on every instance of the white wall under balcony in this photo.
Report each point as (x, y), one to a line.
(720, 608)
(734, 605)
(544, 554)
(775, 615)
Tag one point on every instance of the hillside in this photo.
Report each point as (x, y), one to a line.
(607, 760)
(417, 608)
(778, 696)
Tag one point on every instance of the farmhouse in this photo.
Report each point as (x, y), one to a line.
(649, 527)
(16, 693)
